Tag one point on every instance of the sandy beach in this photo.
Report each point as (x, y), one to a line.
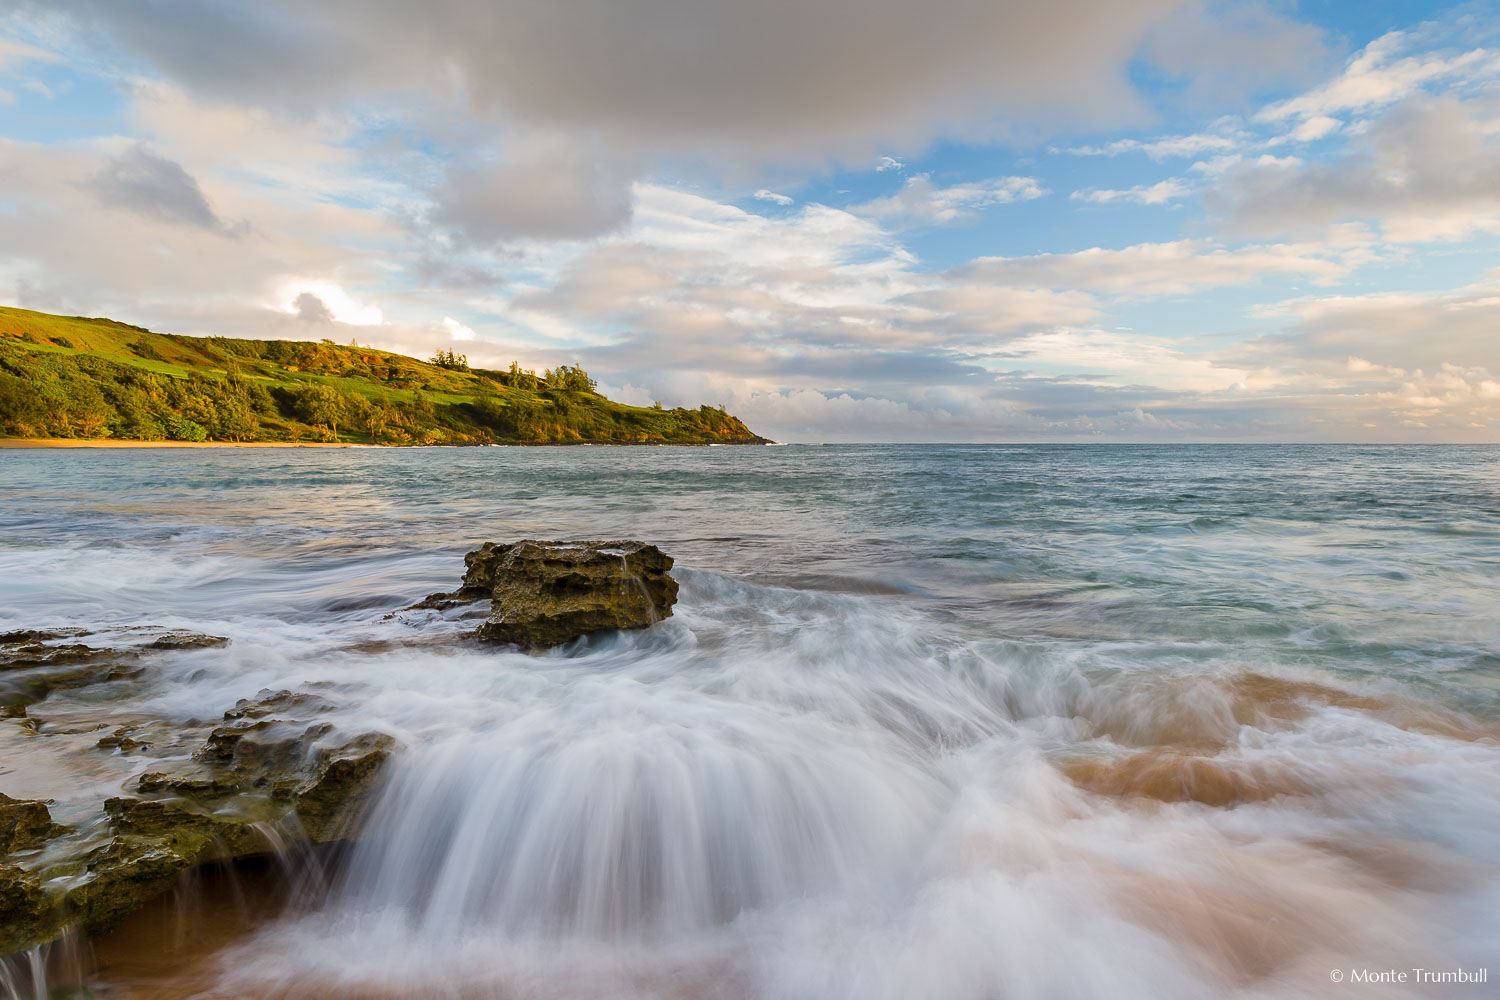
(114, 443)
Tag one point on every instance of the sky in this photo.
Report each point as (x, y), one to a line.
(844, 220)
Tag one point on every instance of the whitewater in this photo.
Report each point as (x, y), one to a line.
(948, 722)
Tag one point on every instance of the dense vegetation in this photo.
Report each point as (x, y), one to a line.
(70, 377)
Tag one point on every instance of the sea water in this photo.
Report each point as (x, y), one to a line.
(961, 723)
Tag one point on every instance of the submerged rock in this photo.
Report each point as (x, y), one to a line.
(35, 662)
(548, 593)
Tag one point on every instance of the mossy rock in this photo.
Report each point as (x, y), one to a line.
(548, 593)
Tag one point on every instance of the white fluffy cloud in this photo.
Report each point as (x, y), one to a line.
(1379, 76)
(1169, 146)
(1177, 268)
(921, 203)
(1159, 193)
(1429, 168)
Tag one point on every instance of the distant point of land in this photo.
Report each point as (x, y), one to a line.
(66, 381)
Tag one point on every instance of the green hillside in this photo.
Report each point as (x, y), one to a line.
(70, 377)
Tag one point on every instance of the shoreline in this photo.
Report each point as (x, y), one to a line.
(119, 443)
(124, 443)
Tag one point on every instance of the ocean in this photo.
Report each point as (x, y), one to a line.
(954, 722)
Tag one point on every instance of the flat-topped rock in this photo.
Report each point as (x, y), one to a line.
(548, 593)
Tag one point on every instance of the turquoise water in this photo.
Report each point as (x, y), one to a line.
(977, 721)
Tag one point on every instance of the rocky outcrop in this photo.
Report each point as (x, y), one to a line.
(24, 824)
(35, 662)
(274, 768)
(548, 593)
(272, 758)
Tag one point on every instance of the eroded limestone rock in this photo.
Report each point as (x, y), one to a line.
(24, 824)
(36, 662)
(270, 759)
(548, 593)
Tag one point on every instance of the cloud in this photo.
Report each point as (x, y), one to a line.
(457, 330)
(322, 301)
(1167, 146)
(13, 53)
(565, 184)
(547, 187)
(1226, 51)
(311, 309)
(140, 181)
(814, 415)
(1159, 193)
(1428, 169)
(1393, 332)
(919, 202)
(1123, 359)
(1315, 128)
(986, 314)
(1162, 269)
(160, 258)
(636, 79)
(1375, 78)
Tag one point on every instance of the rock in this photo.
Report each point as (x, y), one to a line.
(36, 662)
(194, 782)
(29, 655)
(269, 761)
(187, 640)
(346, 777)
(26, 910)
(548, 593)
(39, 635)
(442, 601)
(258, 750)
(155, 841)
(121, 740)
(24, 824)
(278, 702)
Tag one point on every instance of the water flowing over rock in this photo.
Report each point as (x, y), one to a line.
(548, 593)
(34, 662)
(271, 760)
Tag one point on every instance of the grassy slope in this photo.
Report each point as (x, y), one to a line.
(420, 402)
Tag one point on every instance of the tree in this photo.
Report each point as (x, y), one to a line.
(519, 378)
(453, 362)
(318, 404)
(89, 413)
(22, 411)
(183, 429)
